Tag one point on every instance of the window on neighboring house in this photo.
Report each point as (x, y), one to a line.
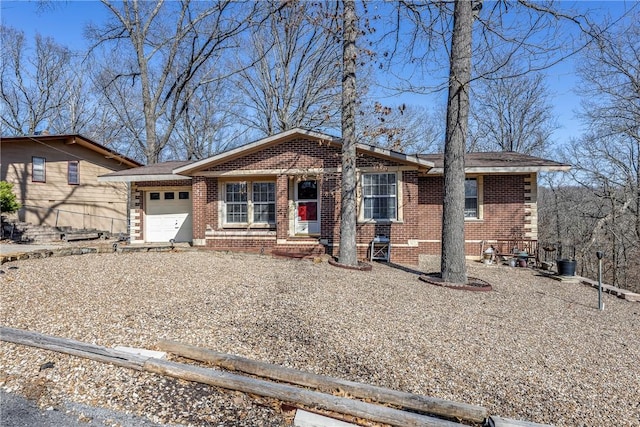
(250, 203)
(169, 195)
(38, 169)
(154, 196)
(183, 195)
(471, 198)
(73, 172)
(379, 194)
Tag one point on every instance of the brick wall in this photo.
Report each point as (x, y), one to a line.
(503, 212)
(297, 153)
(137, 205)
(505, 209)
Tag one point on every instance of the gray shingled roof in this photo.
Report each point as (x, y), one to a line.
(498, 159)
(474, 162)
(163, 168)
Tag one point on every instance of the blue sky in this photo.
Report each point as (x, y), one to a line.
(64, 21)
(61, 20)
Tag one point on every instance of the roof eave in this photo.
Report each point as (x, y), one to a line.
(106, 152)
(394, 155)
(80, 140)
(140, 178)
(506, 169)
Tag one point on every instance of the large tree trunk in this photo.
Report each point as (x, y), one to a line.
(453, 266)
(348, 248)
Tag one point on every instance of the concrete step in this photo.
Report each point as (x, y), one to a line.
(26, 232)
(299, 251)
(82, 235)
(41, 238)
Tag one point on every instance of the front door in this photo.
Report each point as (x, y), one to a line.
(307, 218)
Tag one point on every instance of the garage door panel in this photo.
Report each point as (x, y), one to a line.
(168, 219)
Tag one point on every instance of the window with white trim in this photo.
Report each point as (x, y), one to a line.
(471, 198)
(249, 203)
(264, 202)
(379, 196)
(236, 202)
(38, 169)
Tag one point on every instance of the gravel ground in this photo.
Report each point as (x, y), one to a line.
(532, 349)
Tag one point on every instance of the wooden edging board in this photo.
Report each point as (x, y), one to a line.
(431, 405)
(284, 392)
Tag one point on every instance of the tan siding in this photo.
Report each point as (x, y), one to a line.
(55, 202)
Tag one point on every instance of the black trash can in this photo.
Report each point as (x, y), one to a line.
(566, 267)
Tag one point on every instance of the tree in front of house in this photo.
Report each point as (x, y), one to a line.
(348, 247)
(494, 35)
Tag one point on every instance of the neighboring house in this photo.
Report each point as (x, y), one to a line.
(55, 178)
(282, 194)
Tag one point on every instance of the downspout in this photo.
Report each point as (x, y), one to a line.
(129, 210)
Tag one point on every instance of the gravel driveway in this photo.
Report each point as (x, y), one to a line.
(533, 348)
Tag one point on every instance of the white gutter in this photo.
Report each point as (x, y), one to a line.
(505, 169)
(138, 178)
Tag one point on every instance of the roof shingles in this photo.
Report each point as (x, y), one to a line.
(497, 159)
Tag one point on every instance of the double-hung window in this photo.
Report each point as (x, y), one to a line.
(73, 172)
(264, 202)
(38, 169)
(471, 198)
(236, 202)
(379, 194)
(248, 203)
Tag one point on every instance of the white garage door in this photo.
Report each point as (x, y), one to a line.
(168, 216)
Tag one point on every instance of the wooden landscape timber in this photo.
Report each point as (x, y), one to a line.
(284, 392)
(72, 347)
(296, 395)
(431, 405)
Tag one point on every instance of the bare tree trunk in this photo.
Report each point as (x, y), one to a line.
(637, 192)
(453, 265)
(348, 248)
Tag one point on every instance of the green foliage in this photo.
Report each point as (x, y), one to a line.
(8, 202)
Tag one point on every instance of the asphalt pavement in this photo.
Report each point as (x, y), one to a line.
(17, 411)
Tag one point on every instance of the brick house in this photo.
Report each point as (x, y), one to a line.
(282, 194)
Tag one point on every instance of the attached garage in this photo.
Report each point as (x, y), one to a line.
(168, 215)
(161, 202)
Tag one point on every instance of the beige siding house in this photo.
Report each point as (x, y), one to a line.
(55, 181)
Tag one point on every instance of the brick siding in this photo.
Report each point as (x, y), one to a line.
(419, 231)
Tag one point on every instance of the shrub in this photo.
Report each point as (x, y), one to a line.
(8, 202)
